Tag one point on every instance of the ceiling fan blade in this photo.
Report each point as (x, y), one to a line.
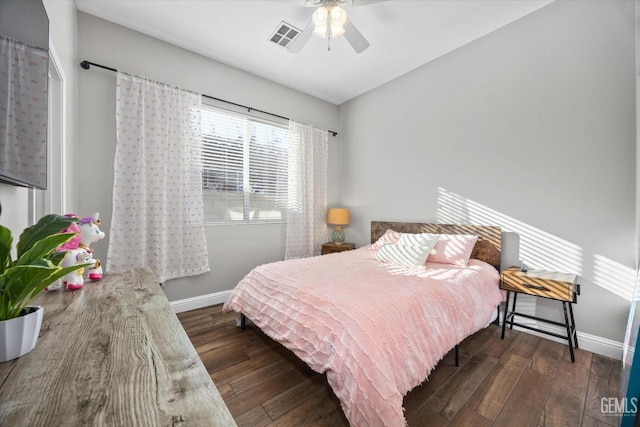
(302, 39)
(354, 37)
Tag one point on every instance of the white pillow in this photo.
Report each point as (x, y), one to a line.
(406, 255)
(417, 238)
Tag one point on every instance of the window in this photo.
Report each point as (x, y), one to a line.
(244, 168)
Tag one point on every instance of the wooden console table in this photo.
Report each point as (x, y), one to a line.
(112, 354)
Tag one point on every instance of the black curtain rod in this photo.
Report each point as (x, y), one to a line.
(86, 65)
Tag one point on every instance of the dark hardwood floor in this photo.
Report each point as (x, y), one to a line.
(522, 380)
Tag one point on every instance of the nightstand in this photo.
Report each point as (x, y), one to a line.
(330, 247)
(547, 284)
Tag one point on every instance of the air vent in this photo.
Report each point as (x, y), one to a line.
(284, 34)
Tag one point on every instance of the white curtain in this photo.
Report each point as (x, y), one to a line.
(307, 190)
(23, 121)
(157, 217)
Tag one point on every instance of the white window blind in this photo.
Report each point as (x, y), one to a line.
(244, 176)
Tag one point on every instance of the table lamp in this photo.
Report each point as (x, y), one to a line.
(338, 217)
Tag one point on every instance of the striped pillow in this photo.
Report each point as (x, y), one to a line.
(405, 254)
(417, 238)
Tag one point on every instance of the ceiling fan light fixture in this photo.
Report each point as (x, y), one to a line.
(338, 16)
(320, 31)
(320, 16)
(336, 31)
(332, 18)
(329, 21)
(319, 19)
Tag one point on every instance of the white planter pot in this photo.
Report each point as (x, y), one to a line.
(18, 336)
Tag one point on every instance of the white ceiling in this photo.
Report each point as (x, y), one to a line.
(404, 34)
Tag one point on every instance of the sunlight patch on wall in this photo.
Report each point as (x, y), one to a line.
(614, 276)
(538, 249)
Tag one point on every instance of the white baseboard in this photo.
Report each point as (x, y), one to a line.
(201, 301)
(592, 343)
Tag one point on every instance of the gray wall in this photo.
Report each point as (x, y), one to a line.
(24, 20)
(15, 208)
(233, 250)
(532, 128)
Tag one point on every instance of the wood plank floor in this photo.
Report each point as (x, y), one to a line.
(522, 380)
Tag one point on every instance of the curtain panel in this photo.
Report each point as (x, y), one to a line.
(307, 190)
(23, 122)
(157, 219)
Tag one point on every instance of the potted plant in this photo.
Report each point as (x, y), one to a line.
(38, 265)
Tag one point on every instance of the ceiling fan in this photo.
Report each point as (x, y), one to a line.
(330, 21)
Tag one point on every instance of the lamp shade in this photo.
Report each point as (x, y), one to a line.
(338, 216)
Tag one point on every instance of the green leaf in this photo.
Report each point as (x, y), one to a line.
(56, 257)
(20, 284)
(6, 241)
(37, 265)
(46, 226)
(17, 283)
(44, 247)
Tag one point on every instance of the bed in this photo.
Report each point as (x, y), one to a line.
(376, 329)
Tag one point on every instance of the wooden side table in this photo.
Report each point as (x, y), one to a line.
(547, 284)
(330, 247)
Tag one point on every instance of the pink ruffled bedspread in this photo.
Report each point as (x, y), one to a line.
(376, 330)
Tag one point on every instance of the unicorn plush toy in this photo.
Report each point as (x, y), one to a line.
(90, 233)
(73, 257)
(79, 252)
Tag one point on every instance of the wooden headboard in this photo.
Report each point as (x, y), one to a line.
(488, 248)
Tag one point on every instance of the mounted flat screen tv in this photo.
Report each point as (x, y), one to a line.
(24, 78)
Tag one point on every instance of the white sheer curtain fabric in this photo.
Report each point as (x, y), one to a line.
(157, 219)
(23, 78)
(307, 190)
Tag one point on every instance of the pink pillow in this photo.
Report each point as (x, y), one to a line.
(389, 236)
(453, 249)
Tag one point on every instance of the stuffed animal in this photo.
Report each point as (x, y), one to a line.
(90, 233)
(75, 280)
(70, 246)
(79, 252)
